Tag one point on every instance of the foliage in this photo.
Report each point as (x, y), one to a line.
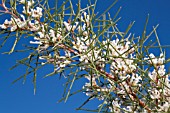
(118, 66)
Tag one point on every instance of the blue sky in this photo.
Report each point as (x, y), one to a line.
(19, 98)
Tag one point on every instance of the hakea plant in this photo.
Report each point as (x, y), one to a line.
(118, 66)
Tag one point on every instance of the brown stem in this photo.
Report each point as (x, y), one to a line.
(6, 10)
(107, 74)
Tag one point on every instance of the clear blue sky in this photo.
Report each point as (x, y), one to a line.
(19, 98)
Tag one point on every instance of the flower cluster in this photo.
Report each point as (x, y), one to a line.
(25, 24)
(113, 72)
(121, 56)
(160, 83)
(14, 23)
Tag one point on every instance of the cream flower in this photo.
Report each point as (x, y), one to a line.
(36, 13)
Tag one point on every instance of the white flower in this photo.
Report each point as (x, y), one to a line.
(3, 26)
(26, 11)
(85, 14)
(35, 42)
(67, 62)
(13, 28)
(161, 59)
(153, 75)
(16, 23)
(36, 13)
(41, 34)
(164, 107)
(33, 26)
(67, 25)
(86, 18)
(129, 109)
(29, 3)
(155, 61)
(52, 35)
(154, 93)
(135, 79)
(67, 54)
(22, 1)
(70, 27)
(6, 24)
(161, 70)
(116, 106)
(62, 65)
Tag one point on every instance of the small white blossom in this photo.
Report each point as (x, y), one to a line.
(70, 27)
(35, 42)
(116, 106)
(36, 13)
(154, 93)
(3, 26)
(29, 3)
(164, 107)
(26, 10)
(155, 61)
